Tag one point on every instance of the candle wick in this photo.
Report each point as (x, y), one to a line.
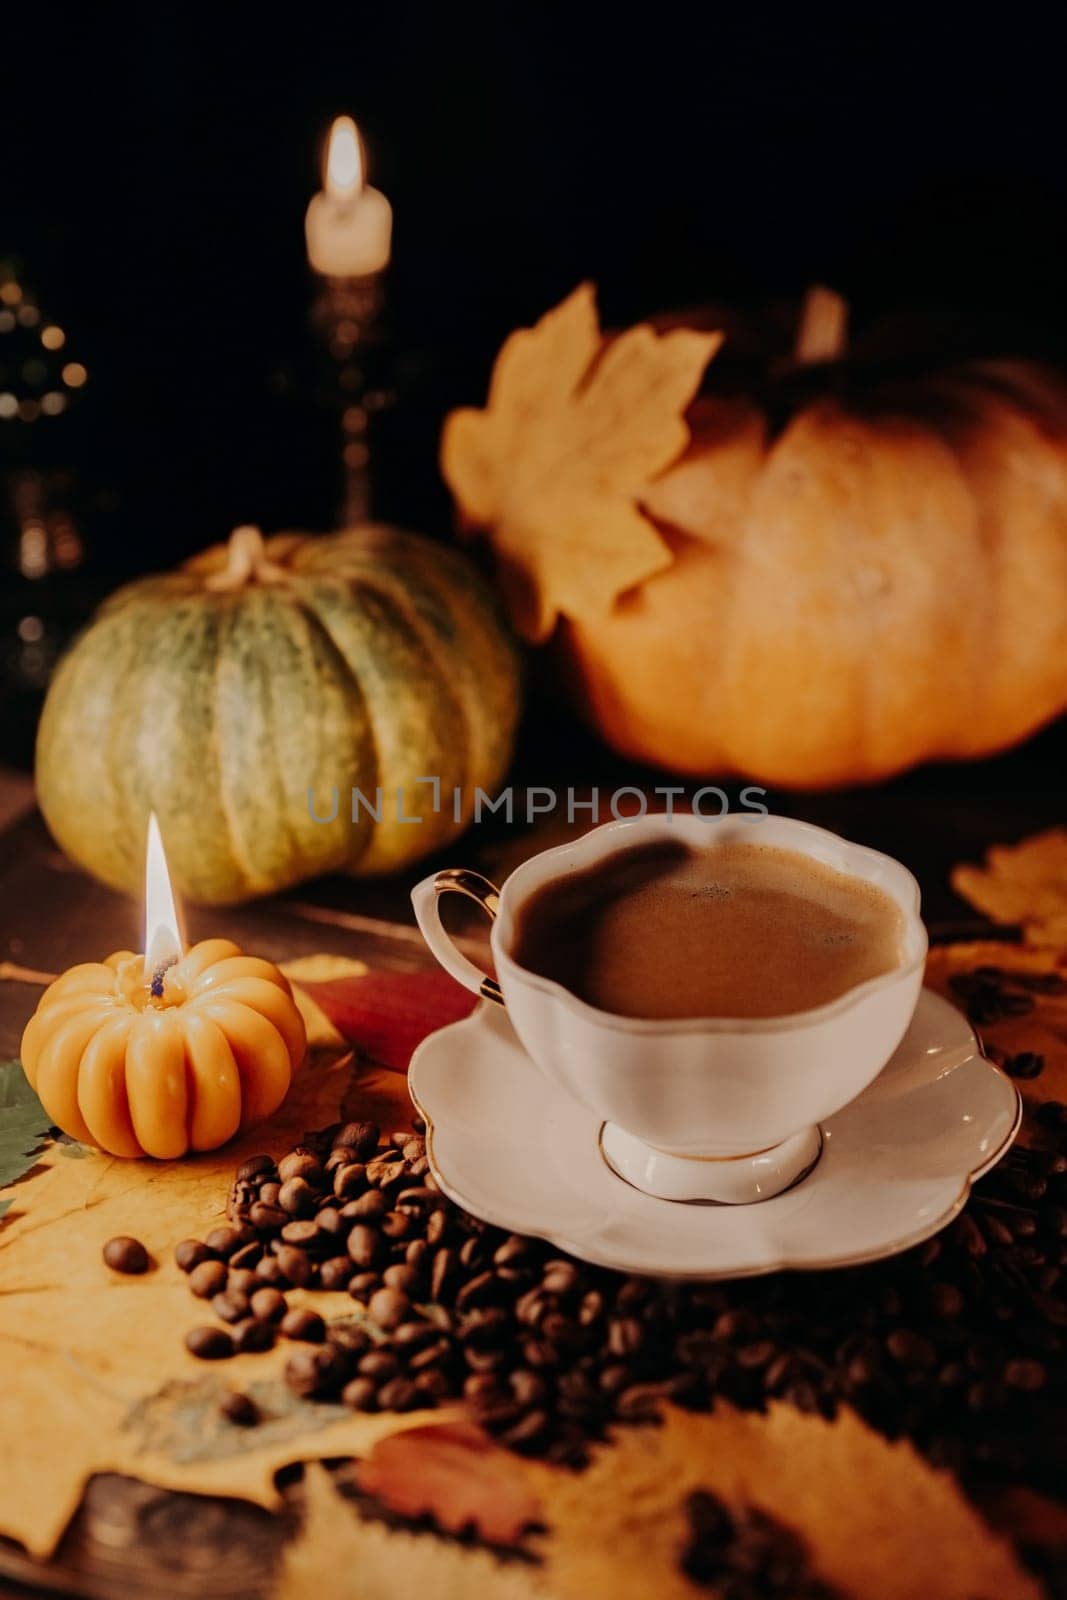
(155, 988)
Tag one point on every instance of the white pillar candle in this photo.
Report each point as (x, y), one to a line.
(348, 226)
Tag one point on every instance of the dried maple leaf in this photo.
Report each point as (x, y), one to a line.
(338, 1556)
(95, 1375)
(455, 1474)
(1024, 884)
(386, 1014)
(1041, 1030)
(876, 1520)
(576, 428)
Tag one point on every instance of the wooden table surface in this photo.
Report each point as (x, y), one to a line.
(52, 915)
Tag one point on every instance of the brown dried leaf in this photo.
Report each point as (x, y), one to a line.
(454, 1474)
(877, 1520)
(554, 469)
(96, 1378)
(338, 1556)
(1042, 1030)
(1024, 884)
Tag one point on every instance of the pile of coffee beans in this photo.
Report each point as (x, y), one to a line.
(746, 1554)
(958, 1343)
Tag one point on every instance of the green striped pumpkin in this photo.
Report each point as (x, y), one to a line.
(234, 696)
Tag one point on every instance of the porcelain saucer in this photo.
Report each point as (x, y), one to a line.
(895, 1166)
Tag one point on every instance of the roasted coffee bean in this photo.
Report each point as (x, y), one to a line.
(247, 1257)
(369, 1207)
(1026, 1065)
(302, 1324)
(294, 1265)
(268, 1218)
(239, 1409)
(208, 1279)
(191, 1253)
(209, 1343)
(438, 1227)
(388, 1307)
(255, 1167)
(385, 1174)
(413, 1335)
(336, 1273)
(230, 1306)
(472, 1254)
(269, 1305)
(396, 1225)
(911, 1349)
(342, 1155)
(441, 1273)
(625, 1336)
(379, 1365)
(350, 1181)
(253, 1335)
(303, 1234)
(242, 1280)
(417, 1256)
(946, 1300)
(363, 1284)
(432, 1385)
(476, 1291)
(269, 1272)
(560, 1277)
(320, 1372)
(399, 1394)
(126, 1254)
(527, 1433)
(361, 1394)
(269, 1192)
(431, 1355)
(330, 1221)
(417, 1200)
(362, 1137)
(401, 1276)
(514, 1252)
(1028, 1376)
(366, 1246)
(528, 1388)
(300, 1163)
(225, 1240)
(296, 1197)
(350, 1337)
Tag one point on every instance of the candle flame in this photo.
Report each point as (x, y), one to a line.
(344, 160)
(163, 936)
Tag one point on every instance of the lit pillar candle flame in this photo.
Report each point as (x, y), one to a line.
(344, 161)
(349, 225)
(163, 937)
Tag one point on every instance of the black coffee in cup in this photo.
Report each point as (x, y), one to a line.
(737, 930)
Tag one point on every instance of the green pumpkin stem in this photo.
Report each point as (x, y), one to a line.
(246, 563)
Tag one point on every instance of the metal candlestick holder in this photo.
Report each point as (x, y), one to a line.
(348, 317)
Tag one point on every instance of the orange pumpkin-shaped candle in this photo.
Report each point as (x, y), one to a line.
(142, 1063)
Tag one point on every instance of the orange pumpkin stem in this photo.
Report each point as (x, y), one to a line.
(823, 331)
(246, 563)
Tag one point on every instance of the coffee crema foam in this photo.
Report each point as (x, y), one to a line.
(738, 930)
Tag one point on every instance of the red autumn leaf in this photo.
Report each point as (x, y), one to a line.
(456, 1474)
(386, 1014)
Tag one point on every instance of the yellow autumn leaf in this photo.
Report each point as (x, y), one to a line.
(96, 1377)
(338, 1556)
(874, 1518)
(576, 428)
(1023, 883)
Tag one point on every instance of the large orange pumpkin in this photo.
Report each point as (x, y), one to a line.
(865, 571)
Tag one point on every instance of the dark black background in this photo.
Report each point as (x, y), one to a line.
(157, 162)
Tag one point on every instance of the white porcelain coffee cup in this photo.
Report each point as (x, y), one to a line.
(713, 1108)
